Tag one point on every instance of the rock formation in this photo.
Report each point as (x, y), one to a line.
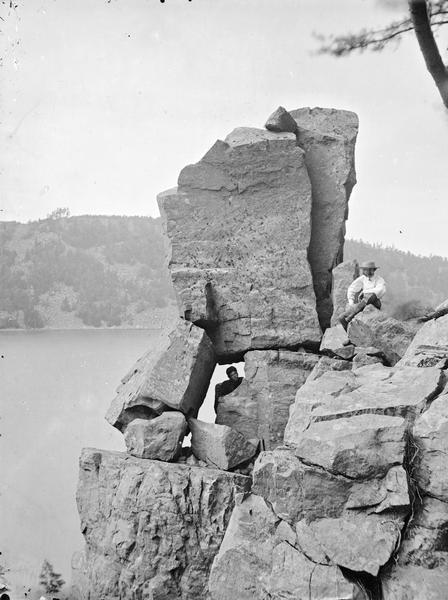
(259, 407)
(324, 474)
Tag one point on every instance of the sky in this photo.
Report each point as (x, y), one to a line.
(103, 103)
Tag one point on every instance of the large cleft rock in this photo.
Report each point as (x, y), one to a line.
(328, 137)
(259, 407)
(343, 275)
(239, 228)
(421, 569)
(372, 327)
(429, 346)
(219, 445)
(175, 375)
(261, 558)
(152, 529)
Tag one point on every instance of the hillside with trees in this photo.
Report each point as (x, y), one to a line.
(107, 271)
(87, 271)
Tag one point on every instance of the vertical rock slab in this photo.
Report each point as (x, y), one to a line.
(328, 137)
(343, 275)
(259, 407)
(174, 375)
(239, 227)
(152, 529)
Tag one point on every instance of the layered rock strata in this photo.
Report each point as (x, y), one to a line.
(259, 407)
(239, 230)
(328, 137)
(152, 529)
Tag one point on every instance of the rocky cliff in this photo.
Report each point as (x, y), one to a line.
(322, 477)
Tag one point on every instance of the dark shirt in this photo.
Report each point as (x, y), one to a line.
(226, 387)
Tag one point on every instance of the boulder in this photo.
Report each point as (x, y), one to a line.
(160, 438)
(260, 558)
(151, 529)
(372, 390)
(219, 445)
(259, 407)
(362, 360)
(335, 342)
(281, 120)
(174, 375)
(239, 227)
(373, 327)
(328, 137)
(342, 276)
(429, 346)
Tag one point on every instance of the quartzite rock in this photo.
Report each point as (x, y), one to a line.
(151, 527)
(371, 390)
(373, 327)
(343, 275)
(429, 346)
(281, 120)
(160, 438)
(328, 137)
(256, 562)
(176, 375)
(329, 364)
(259, 407)
(239, 228)
(431, 438)
(335, 342)
(219, 445)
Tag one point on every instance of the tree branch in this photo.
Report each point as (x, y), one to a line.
(425, 37)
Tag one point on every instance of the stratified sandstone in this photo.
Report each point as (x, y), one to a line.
(343, 275)
(373, 327)
(328, 137)
(239, 228)
(219, 445)
(259, 407)
(159, 438)
(174, 375)
(152, 529)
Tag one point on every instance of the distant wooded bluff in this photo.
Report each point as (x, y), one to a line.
(109, 271)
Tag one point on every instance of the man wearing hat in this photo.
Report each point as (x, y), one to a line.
(226, 387)
(368, 288)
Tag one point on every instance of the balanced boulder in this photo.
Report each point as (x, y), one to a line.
(176, 376)
(281, 120)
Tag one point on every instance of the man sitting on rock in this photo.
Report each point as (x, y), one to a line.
(226, 387)
(368, 288)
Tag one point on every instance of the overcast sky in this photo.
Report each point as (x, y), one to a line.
(104, 102)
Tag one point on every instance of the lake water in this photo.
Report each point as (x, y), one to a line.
(55, 388)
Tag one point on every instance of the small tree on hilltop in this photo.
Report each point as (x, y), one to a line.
(49, 579)
(59, 213)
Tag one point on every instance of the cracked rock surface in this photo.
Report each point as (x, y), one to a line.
(151, 528)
